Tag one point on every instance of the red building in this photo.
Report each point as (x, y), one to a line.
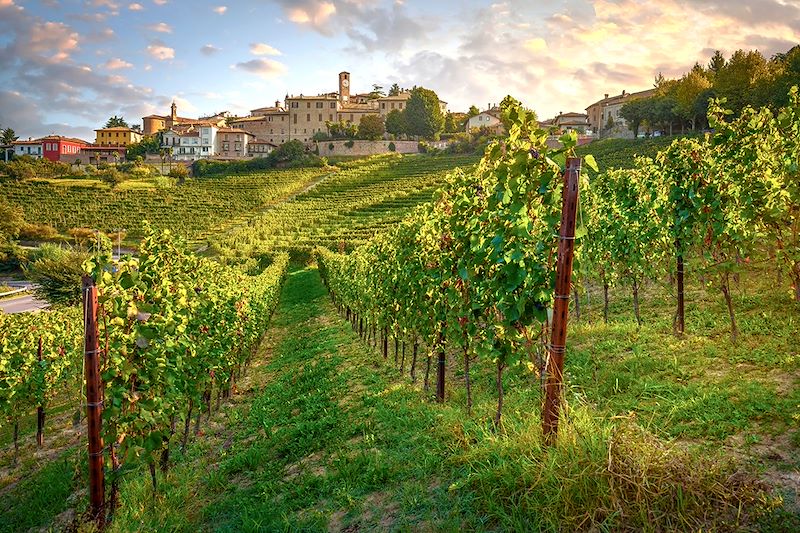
(65, 149)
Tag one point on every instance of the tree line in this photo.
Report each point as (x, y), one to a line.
(745, 79)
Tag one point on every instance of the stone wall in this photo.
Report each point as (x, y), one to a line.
(365, 147)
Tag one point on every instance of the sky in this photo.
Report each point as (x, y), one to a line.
(68, 65)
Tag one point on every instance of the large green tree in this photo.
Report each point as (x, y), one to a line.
(116, 122)
(423, 114)
(150, 144)
(742, 80)
(371, 127)
(396, 123)
(8, 136)
(394, 90)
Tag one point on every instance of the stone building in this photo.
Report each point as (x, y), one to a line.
(609, 107)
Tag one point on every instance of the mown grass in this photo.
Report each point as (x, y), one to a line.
(335, 439)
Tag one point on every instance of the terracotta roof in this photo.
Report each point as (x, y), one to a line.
(118, 128)
(259, 141)
(30, 141)
(62, 138)
(234, 130)
(156, 116)
(620, 97)
(96, 148)
(405, 95)
(331, 96)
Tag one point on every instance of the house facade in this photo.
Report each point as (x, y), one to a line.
(605, 114)
(65, 149)
(117, 136)
(259, 148)
(487, 120)
(31, 148)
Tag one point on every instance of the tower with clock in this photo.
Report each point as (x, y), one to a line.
(344, 86)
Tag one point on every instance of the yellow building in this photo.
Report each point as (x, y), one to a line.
(116, 137)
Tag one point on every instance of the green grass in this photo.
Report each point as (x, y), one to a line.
(331, 437)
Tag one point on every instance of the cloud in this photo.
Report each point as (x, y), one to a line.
(159, 50)
(160, 27)
(136, 7)
(117, 64)
(159, 2)
(265, 68)
(220, 10)
(55, 40)
(261, 49)
(209, 50)
(371, 26)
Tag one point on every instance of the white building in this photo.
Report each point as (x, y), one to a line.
(489, 119)
(31, 148)
(192, 143)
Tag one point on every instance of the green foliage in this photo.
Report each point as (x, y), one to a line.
(111, 176)
(371, 127)
(8, 136)
(349, 144)
(180, 173)
(423, 114)
(392, 147)
(116, 122)
(57, 273)
(11, 221)
(341, 129)
(150, 144)
(396, 122)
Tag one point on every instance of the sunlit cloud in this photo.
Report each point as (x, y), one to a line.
(262, 49)
(265, 68)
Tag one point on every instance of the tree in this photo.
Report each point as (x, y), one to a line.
(741, 81)
(136, 127)
(717, 63)
(150, 144)
(394, 90)
(449, 123)
(371, 127)
(116, 122)
(376, 92)
(8, 136)
(634, 113)
(473, 111)
(396, 123)
(687, 91)
(423, 114)
(11, 220)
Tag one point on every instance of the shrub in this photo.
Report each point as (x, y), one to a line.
(349, 144)
(423, 147)
(38, 232)
(90, 169)
(179, 173)
(57, 273)
(330, 147)
(20, 169)
(392, 147)
(111, 176)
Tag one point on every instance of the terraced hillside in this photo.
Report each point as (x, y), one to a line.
(193, 210)
(348, 207)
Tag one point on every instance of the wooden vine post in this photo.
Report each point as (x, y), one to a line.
(558, 340)
(680, 319)
(440, 364)
(39, 409)
(94, 404)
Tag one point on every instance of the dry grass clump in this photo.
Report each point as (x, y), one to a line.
(606, 475)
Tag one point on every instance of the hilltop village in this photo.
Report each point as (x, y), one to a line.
(305, 118)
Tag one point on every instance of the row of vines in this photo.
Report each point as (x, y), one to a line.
(173, 329)
(476, 267)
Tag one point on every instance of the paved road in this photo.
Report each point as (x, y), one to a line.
(22, 304)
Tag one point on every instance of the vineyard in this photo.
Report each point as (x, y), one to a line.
(193, 210)
(348, 208)
(418, 372)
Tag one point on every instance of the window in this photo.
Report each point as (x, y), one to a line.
(308, 105)
(392, 105)
(295, 104)
(304, 130)
(400, 105)
(330, 117)
(308, 117)
(295, 119)
(320, 117)
(320, 104)
(351, 117)
(333, 105)
(225, 147)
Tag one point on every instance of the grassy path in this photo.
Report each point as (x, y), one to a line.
(329, 442)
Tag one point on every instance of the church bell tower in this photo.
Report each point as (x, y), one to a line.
(344, 87)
